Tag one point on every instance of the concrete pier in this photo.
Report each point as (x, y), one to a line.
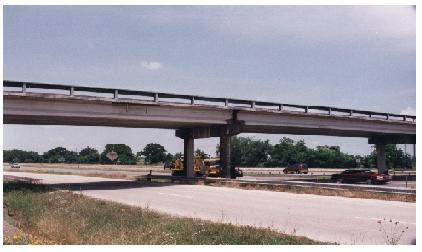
(225, 154)
(381, 164)
(189, 156)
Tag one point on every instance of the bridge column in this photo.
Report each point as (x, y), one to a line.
(381, 164)
(188, 156)
(225, 157)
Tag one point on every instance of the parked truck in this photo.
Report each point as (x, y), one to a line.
(203, 167)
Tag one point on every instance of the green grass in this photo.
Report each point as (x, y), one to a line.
(70, 218)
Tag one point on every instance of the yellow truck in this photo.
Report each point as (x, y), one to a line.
(202, 166)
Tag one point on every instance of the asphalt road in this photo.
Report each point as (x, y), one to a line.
(324, 218)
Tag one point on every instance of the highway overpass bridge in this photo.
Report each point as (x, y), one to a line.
(193, 116)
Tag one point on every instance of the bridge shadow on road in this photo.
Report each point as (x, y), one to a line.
(80, 186)
(108, 185)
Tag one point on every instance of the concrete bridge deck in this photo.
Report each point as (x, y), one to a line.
(29, 106)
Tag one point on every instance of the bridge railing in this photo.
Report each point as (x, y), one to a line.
(192, 99)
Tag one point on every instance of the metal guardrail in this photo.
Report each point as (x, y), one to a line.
(228, 102)
(301, 184)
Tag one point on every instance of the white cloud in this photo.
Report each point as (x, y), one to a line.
(151, 65)
(408, 111)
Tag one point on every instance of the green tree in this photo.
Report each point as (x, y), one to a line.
(124, 152)
(169, 157)
(178, 155)
(89, 156)
(327, 157)
(394, 158)
(288, 152)
(21, 156)
(154, 153)
(59, 155)
(200, 153)
(249, 152)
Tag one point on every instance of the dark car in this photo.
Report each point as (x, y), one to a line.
(361, 175)
(235, 172)
(169, 165)
(296, 168)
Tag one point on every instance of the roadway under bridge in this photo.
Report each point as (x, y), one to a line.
(194, 117)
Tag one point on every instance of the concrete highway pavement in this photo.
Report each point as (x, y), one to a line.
(324, 218)
(134, 172)
(95, 172)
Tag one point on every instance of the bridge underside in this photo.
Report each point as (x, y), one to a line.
(212, 129)
(198, 121)
(44, 109)
(98, 121)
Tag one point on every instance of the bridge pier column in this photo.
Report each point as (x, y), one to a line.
(188, 156)
(414, 155)
(381, 164)
(225, 154)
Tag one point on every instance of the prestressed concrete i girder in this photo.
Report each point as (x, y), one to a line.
(50, 109)
(56, 110)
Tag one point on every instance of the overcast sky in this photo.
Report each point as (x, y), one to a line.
(360, 57)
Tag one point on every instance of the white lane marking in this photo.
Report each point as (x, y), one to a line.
(387, 220)
(177, 195)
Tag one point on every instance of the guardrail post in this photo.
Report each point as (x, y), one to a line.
(24, 88)
(72, 91)
(192, 100)
(306, 109)
(116, 94)
(329, 111)
(149, 176)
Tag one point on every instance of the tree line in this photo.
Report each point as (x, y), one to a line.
(246, 152)
(250, 152)
(152, 153)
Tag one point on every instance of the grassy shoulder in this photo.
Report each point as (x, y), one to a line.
(59, 217)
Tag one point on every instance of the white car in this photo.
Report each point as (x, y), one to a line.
(15, 165)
